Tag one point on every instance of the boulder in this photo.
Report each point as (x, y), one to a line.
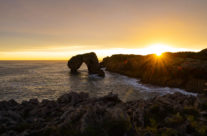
(90, 59)
(78, 114)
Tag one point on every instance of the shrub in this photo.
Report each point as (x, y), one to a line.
(191, 110)
(169, 132)
(174, 120)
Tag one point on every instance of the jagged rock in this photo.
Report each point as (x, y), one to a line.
(90, 59)
(34, 101)
(73, 98)
(78, 114)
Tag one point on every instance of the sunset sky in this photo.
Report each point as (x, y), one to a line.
(58, 29)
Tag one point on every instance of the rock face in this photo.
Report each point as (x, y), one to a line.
(204, 52)
(90, 59)
(186, 70)
(79, 115)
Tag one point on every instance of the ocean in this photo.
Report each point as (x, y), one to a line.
(23, 80)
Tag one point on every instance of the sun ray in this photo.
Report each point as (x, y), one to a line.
(158, 49)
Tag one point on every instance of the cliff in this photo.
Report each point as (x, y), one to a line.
(186, 70)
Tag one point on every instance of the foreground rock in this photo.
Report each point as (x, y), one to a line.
(186, 70)
(90, 59)
(78, 115)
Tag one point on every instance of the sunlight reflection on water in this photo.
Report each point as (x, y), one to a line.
(49, 79)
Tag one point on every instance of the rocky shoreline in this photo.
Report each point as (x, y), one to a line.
(76, 114)
(186, 70)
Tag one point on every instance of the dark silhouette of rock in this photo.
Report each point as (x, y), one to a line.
(186, 70)
(204, 52)
(90, 59)
(79, 115)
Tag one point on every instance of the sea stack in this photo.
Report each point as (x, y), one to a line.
(90, 59)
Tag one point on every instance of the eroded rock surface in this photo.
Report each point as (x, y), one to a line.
(90, 59)
(76, 114)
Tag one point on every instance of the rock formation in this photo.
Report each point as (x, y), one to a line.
(90, 59)
(79, 115)
(204, 52)
(186, 70)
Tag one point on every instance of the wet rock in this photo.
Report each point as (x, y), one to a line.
(72, 98)
(33, 101)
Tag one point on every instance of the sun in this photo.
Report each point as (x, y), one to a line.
(158, 49)
(159, 53)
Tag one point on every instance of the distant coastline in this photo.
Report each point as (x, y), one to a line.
(186, 70)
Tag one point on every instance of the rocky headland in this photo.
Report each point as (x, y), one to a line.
(79, 115)
(187, 70)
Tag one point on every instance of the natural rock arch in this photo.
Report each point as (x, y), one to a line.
(90, 59)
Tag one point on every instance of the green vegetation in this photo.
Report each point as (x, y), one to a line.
(174, 120)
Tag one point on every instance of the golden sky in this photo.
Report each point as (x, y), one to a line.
(58, 29)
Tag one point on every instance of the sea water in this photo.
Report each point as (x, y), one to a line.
(23, 80)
